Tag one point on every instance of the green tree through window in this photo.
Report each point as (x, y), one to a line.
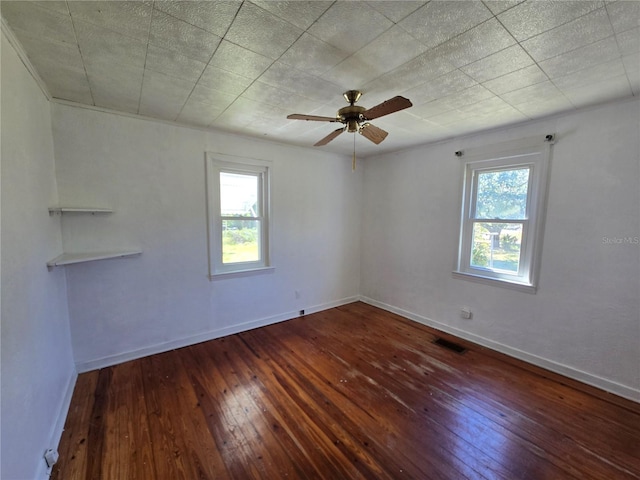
(500, 195)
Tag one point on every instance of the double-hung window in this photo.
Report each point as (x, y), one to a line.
(238, 210)
(503, 213)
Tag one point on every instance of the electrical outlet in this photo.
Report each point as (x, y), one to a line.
(51, 457)
(301, 312)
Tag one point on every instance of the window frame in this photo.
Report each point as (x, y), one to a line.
(528, 153)
(218, 163)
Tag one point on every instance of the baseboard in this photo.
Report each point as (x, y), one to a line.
(204, 336)
(555, 367)
(58, 428)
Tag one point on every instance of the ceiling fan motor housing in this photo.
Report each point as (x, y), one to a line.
(351, 116)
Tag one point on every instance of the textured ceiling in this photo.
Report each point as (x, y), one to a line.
(243, 66)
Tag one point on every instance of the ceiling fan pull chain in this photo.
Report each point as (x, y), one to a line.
(353, 163)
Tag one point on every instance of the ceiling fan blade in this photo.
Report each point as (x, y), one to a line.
(392, 105)
(373, 133)
(315, 118)
(329, 137)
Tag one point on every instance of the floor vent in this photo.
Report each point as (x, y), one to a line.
(450, 345)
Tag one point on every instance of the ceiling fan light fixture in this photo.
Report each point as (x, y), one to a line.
(352, 125)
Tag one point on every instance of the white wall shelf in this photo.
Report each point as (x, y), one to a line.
(90, 210)
(82, 257)
(72, 258)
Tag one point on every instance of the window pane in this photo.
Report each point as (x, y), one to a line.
(240, 241)
(502, 194)
(238, 195)
(496, 246)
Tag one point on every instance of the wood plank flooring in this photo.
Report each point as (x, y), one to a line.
(349, 393)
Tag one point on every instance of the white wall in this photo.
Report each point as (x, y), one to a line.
(584, 320)
(38, 373)
(152, 175)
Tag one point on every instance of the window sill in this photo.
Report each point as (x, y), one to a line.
(522, 287)
(241, 273)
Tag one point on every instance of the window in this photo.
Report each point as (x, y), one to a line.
(503, 213)
(238, 211)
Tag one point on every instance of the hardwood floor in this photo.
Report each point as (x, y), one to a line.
(348, 393)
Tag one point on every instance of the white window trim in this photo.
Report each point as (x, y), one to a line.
(214, 164)
(534, 153)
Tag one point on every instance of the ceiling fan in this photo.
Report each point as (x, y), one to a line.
(356, 118)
